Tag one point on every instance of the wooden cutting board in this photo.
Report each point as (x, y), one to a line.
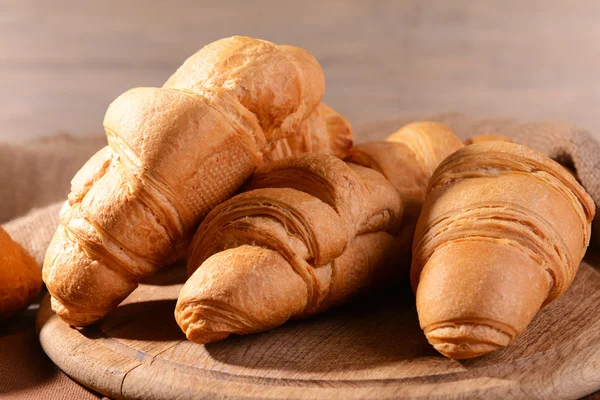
(372, 348)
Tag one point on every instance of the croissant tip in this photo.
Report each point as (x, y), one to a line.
(72, 317)
(465, 350)
(199, 337)
(195, 328)
(467, 340)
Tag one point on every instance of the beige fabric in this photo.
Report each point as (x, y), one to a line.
(26, 371)
(35, 229)
(37, 174)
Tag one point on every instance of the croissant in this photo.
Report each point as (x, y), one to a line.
(308, 233)
(20, 277)
(173, 154)
(501, 234)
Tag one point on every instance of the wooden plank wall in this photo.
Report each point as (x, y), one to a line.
(63, 61)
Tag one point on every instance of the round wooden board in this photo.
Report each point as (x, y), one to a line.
(372, 348)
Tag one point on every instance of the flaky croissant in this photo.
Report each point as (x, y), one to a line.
(501, 234)
(20, 277)
(174, 153)
(308, 233)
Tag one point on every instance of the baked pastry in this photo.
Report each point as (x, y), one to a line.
(174, 153)
(309, 232)
(501, 234)
(20, 277)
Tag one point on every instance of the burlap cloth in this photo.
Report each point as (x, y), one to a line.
(35, 177)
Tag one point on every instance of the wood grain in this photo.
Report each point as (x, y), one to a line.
(372, 348)
(64, 61)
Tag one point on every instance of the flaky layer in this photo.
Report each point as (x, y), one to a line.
(462, 340)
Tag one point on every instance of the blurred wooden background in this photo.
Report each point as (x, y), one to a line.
(63, 61)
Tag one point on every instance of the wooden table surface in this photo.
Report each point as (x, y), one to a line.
(62, 62)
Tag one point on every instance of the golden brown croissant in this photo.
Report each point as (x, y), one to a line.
(174, 153)
(20, 277)
(501, 234)
(310, 232)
